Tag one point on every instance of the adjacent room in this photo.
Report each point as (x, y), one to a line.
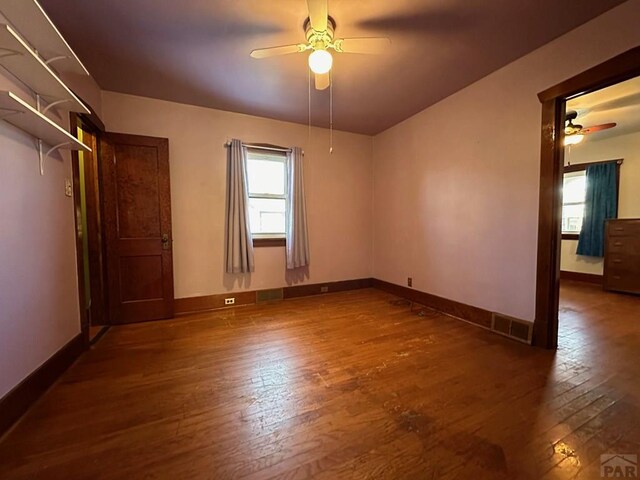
(319, 239)
(601, 205)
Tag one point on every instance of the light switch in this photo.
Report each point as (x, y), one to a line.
(68, 189)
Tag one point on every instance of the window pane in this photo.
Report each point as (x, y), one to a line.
(573, 195)
(266, 176)
(574, 187)
(267, 215)
(572, 218)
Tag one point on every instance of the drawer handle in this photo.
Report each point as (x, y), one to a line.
(617, 244)
(617, 260)
(619, 229)
(617, 277)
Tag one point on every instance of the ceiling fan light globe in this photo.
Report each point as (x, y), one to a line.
(573, 139)
(320, 61)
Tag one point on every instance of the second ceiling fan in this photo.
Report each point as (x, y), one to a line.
(319, 30)
(575, 133)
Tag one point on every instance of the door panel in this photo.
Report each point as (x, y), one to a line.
(137, 175)
(140, 278)
(138, 227)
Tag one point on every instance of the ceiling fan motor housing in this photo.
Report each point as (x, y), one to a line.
(571, 128)
(571, 115)
(320, 40)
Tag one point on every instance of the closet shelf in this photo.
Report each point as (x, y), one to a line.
(28, 18)
(18, 58)
(19, 113)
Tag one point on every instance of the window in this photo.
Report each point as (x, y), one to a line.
(574, 191)
(267, 176)
(573, 195)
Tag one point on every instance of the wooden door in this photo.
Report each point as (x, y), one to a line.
(137, 226)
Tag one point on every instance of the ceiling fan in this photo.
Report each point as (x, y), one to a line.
(319, 30)
(575, 133)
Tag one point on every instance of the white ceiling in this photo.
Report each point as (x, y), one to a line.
(619, 103)
(197, 51)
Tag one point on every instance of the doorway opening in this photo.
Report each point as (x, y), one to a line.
(600, 209)
(88, 212)
(568, 109)
(122, 202)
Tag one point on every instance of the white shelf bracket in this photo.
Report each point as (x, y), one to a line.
(42, 156)
(55, 104)
(55, 59)
(5, 52)
(5, 112)
(56, 147)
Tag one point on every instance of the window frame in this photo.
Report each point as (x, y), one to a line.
(269, 239)
(579, 167)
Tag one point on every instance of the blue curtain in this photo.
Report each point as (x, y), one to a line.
(601, 203)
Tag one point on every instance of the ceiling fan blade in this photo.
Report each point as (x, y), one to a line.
(323, 80)
(371, 45)
(597, 128)
(318, 14)
(275, 51)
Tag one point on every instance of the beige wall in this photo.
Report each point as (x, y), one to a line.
(456, 186)
(628, 148)
(338, 187)
(87, 89)
(39, 310)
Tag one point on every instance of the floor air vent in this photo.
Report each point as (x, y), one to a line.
(512, 328)
(269, 295)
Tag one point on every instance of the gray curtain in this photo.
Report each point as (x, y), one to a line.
(297, 237)
(239, 245)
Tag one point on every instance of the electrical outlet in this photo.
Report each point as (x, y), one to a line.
(324, 289)
(68, 188)
(229, 301)
(409, 282)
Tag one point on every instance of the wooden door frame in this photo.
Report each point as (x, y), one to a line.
(618, 69)
(93, 123)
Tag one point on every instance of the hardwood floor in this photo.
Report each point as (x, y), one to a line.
(95, 331)
(340, 386)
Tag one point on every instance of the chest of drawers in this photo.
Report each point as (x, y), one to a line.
(622, 256)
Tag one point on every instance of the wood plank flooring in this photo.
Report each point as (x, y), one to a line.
(340, 386)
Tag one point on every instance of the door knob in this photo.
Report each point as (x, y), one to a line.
(165, 241)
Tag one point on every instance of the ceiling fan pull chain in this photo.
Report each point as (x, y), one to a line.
(330, 112)
(309, 92)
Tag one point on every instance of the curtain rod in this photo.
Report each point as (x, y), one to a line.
(261, 147)
(619, 161)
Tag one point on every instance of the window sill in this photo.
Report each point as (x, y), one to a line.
(570, 236)
(269, 242)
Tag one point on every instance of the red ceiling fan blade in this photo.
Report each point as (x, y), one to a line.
(597, 128)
